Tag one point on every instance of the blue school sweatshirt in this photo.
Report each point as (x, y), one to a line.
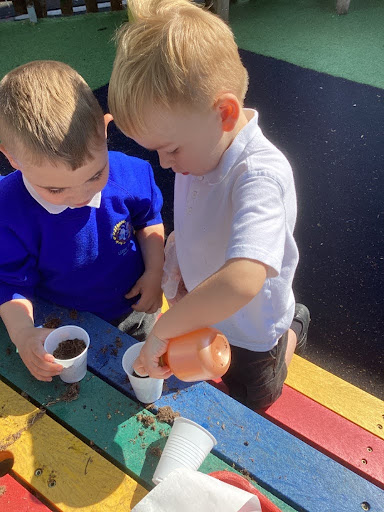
(85, 258)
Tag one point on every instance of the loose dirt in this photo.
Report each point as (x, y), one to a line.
(68, 349)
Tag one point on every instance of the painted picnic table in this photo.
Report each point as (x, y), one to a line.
(318, 448)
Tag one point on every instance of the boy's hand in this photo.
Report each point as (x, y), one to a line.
(29, 343)
(148, 286)
(148, 360)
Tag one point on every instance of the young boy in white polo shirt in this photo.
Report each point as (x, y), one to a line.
(178, 87)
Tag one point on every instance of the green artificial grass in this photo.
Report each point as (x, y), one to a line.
(310, 34)
(85, 42)
(307, 33)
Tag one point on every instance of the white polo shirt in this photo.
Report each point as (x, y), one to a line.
(245, 208)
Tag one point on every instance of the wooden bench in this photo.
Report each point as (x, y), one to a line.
(318, 448)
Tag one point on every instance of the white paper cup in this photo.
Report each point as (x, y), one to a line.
(146, 389)
(74, 369)
(187, 446)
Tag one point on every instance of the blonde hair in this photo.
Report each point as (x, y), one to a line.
(172, 52)
(47, 110)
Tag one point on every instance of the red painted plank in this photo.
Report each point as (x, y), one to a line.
(242, 483)
(333, 435)
(16, 498)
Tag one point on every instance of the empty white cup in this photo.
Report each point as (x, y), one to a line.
(187, 446)
(146, 389)
(73, 369)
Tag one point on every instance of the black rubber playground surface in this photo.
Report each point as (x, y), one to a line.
(331, 130)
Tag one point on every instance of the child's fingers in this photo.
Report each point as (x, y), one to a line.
(141, 305)
(148, 304)
(138, 366)
(135, 290)
(41, 373)
(48, 357)
(44, 362)
(160, 372)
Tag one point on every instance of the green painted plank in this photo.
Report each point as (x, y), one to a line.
(106, 417)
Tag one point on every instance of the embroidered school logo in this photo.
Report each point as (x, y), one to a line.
(122, 232)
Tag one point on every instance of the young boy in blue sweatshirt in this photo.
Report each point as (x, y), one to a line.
(79, 226)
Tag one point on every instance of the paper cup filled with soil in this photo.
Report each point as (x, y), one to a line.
(146, 389)
(69, 346)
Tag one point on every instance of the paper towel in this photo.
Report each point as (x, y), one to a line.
(190, 491)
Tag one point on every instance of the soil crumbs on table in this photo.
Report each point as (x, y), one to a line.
(52, 322)
(70, 394)
(167, 415)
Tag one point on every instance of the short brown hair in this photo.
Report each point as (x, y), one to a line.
(172, 52)
(47, 110)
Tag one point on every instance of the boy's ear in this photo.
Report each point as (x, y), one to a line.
(228, 107)
(9, 157)
(107, 119)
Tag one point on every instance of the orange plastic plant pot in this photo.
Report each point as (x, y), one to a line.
(198, 355)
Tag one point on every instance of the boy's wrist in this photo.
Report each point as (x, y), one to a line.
(20, 336)
(157, 339)
(154, 271)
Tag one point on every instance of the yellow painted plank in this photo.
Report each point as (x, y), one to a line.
(73, 476)
(165, 306)
(337, 395)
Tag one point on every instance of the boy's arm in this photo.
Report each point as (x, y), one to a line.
(235, 284)
(17, 315)
(151, 241)
(18, 277)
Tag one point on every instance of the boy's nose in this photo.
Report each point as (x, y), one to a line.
(83, 197)
(166, 160)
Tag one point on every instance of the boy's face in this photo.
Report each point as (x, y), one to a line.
(60, 185)
(189, 142)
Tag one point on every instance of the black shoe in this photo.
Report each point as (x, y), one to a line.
(300, 324)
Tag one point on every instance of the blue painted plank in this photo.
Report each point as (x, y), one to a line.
(299, 474)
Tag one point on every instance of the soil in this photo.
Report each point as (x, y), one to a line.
(146, 419)
(164, 414)
(68, 349)
(71, 393)
(167, 415)
(52, 322)
(156, 451)
(73, 314)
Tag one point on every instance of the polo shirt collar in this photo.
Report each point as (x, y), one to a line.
(54, 208)
(236, 149)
